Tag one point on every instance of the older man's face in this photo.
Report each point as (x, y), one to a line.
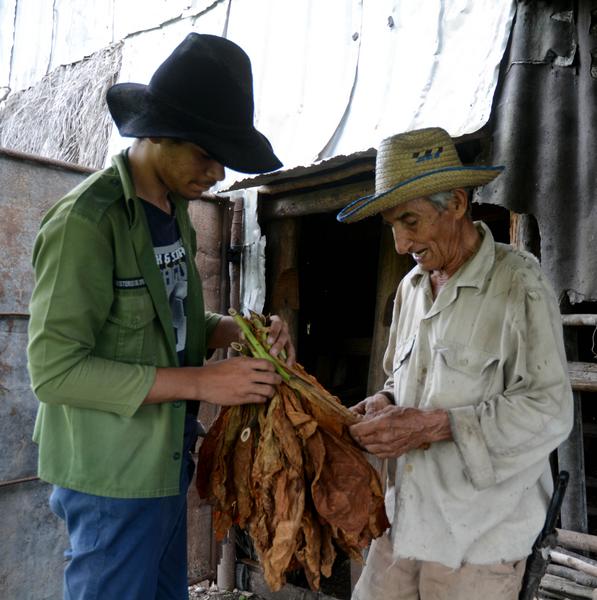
(432, 237)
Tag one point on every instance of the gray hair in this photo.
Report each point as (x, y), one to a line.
(440, 200)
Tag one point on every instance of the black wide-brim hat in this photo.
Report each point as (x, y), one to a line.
(202, 93)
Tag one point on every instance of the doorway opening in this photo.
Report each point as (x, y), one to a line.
(338, 266)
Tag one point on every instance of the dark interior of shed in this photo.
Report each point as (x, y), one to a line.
(586, 343)
(337, 285)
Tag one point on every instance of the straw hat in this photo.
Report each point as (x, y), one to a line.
(413, 165)
(201, 93)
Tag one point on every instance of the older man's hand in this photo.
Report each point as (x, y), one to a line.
(394, 431)
(279, 338)
(371, 405)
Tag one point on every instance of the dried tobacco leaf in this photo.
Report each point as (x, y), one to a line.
(291, 474)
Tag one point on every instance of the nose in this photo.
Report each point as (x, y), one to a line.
(402, 242)
(215, 170)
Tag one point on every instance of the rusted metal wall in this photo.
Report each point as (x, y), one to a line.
(32, 540)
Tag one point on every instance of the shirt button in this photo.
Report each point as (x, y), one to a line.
(176, 456)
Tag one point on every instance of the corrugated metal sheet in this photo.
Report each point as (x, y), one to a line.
(31, 52)
(80, 29)
(142, 15)
(7, 21)
(545, 133)
(48, 33)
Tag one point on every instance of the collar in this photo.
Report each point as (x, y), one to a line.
(120, 163)
(474, 272)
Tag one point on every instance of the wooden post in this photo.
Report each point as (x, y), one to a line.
(391, 269)
(571, 456)
(524, 233)
(236, 245)
(282, 238)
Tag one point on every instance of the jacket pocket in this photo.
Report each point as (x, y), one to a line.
(461, 375)
(130, 330)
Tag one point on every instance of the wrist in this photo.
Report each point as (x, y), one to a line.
(439, 429)
(387, 394)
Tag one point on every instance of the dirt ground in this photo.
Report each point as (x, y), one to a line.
(202, 591)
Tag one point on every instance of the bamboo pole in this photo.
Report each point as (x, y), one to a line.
(559, 584)
(572, 562)
(577, 540)
(573, 575)
(575, 555)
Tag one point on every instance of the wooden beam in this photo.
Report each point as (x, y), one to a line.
(324, 178)
(577, 540)
(579, 320)
(314, 202)
(583, 376)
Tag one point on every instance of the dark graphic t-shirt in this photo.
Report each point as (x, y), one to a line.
(172, 262)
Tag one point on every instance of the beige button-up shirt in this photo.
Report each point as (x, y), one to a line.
(488, 350)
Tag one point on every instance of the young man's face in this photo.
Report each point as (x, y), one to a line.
(432, 237)
(186, 169)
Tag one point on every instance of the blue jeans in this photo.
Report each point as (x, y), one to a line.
(127, 549)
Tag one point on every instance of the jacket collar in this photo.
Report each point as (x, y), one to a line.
(141, 241)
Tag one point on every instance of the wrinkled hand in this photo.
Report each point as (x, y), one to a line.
(394, 430)
(279, 338)
(371, 405)
(240, 380)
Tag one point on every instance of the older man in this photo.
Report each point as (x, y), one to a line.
(477, 394)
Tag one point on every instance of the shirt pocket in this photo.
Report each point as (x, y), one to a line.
(129, 334)
(461, 375)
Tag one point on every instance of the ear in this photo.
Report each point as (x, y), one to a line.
(459, 202)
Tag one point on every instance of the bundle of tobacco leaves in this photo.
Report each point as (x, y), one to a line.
(289, 473)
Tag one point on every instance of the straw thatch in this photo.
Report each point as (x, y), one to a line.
(64, 116)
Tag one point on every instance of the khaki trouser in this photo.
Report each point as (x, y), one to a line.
(386, 578)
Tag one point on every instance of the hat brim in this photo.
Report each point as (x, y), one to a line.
(439, 180)
(138, 113)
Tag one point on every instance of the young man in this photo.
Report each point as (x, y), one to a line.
(477, 394)
(118, 330)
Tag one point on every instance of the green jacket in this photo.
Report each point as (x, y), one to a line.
(100, 325)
